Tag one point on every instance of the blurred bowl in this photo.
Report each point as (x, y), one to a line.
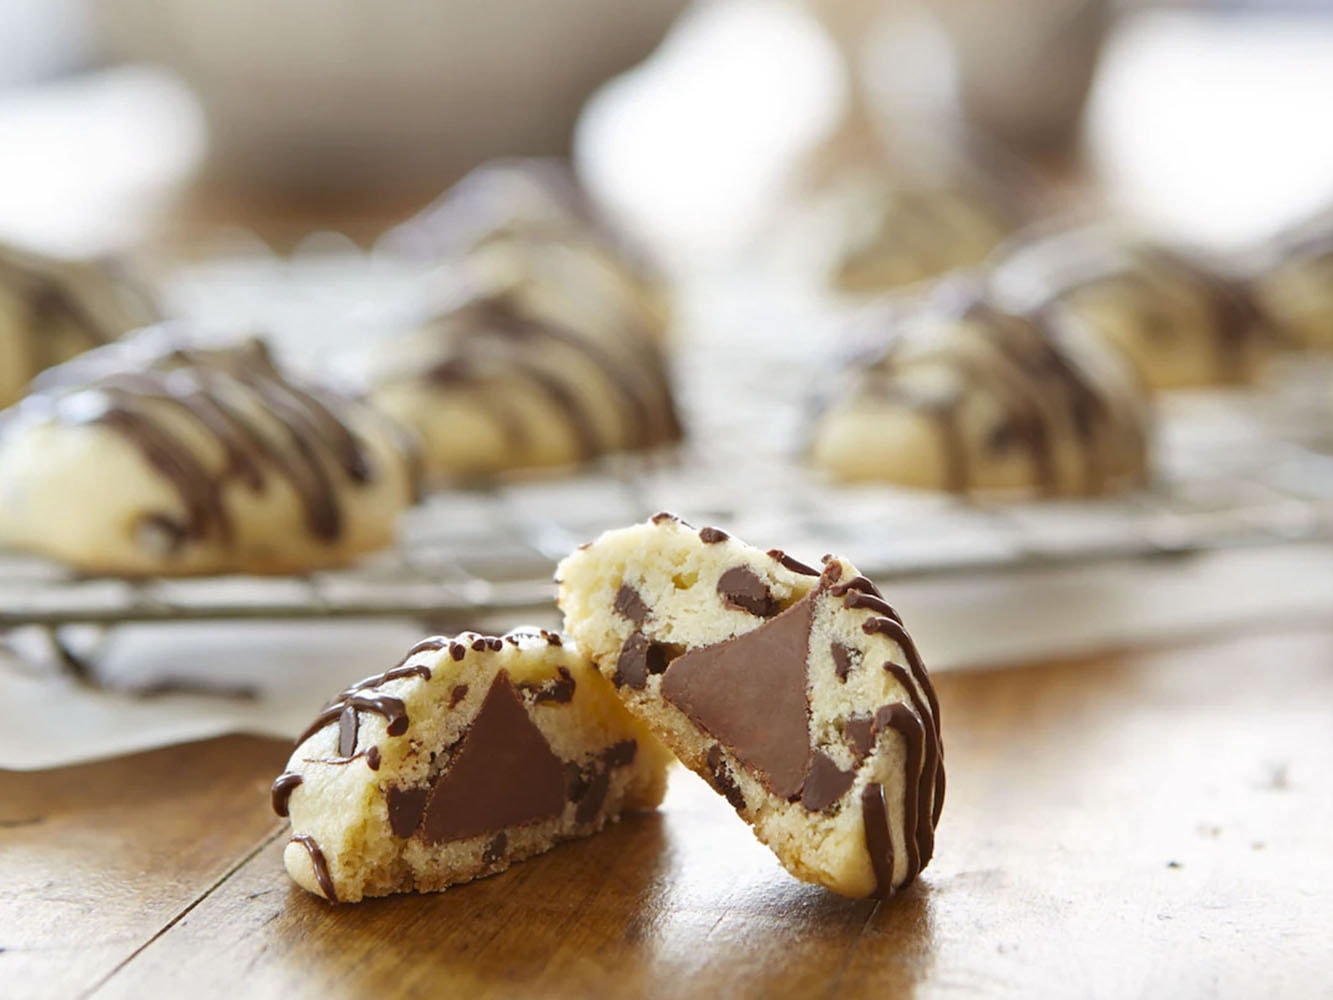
(342, 93)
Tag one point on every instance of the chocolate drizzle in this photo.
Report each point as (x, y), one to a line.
(354, 698)
(792, 564)
(496, 331)
(879, 841)
(1051, 398)
(282, 790)
(320, 864)
(262, 424)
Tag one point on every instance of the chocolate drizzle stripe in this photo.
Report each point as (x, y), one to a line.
(497, 324)
(392, 709)
(796, 566)
(879, 841)
(282, 790)
(320, 864)
(904, 721)
(895, 631)
(237, 398)
(930, 784)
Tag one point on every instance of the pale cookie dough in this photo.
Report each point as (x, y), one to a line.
(965, 397)
(519, 378)
(797, 694)
(147, 457)
(51, 310)
(1176, 317)
(1296, 287)
(471, 754)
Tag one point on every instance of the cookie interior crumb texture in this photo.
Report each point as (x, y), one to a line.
(471, 754)
(795, 692)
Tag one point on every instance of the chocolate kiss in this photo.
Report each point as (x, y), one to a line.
(505, 773)
(749, 694)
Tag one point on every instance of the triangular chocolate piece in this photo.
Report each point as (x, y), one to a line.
(504, 775)
(749, 693)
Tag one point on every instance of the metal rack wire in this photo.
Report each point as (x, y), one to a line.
(1229, 475)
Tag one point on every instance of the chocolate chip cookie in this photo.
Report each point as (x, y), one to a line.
(160, 455)
(795, 692)
(1175, 315)
(962, 395)
(471, 754)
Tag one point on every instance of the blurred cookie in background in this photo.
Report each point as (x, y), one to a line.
(899, 234)
(532, 218)
(1177, 316)
(960, 395)
(524, 375)
(162, 455)
(52, 309)
(1295, 283)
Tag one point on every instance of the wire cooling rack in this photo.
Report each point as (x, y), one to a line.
(1232, 471)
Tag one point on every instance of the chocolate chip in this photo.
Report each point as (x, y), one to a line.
(860, 733)
(749, 693)
(457, 694)
(663, 515)
(576, 781)
(373, 758)
(638, 659)
(503, 774)
(594, 798)
(629, 604)
(406, 806)
(742, 590)
(479, 644)
(495, 849)
(620, 754)
(825, 783)
(843, 659)
(722, 779)
(559, 691)
(711, 536)
(457, 650)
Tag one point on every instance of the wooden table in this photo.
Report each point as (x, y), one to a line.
(1155, 824)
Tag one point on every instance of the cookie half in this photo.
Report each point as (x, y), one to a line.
(471, 754)
(796, 693)
(159, 456)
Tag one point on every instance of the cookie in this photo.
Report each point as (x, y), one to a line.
(51, 310)
(1176, 317)
(471, 754)
(532, 217)
(147, 457)
(961, 395)
(517, 379)
(904, 234)
(796, 693)
(1295, 285)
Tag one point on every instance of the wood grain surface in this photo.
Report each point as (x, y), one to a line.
(1154, 824)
